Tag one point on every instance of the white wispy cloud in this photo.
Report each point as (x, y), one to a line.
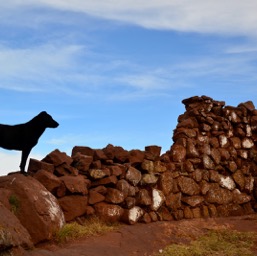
(213, 16)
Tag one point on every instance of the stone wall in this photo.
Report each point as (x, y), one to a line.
(210, 170)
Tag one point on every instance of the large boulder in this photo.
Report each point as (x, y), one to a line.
(36, 208)
(13, 235)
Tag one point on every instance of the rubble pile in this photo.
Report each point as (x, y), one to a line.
(209, 171)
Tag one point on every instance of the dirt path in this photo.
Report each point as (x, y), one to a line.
(146, 239)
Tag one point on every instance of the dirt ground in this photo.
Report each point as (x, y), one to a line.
(146, 239)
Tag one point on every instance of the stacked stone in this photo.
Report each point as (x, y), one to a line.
(116, 184)
(210, 170)
(215, 156)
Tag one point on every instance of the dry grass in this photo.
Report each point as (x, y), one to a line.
(90, 227)
(215, 243)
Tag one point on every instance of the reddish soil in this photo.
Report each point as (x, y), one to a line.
(146, 239)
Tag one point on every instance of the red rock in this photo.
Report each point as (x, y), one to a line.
(137, 156)
(108, 180)
(173, 201)
(239, 179)
(109, 151)
(146, 218)
(114, 196)
(109, 212)
(57, 158)
(35, 165)
(61, 191)
(130, 202)
(133, 175)
(73, 206)
(5, 195)
(188, 166)
(236, 142)
(90, 210)
(49, 180)
(188, 186)
(164, 214)
(166, 183)
(99, 173)
(248, 105)
(215, 155)
(212, 210)
(152, 152)
(197, 175)
(218, 195)
(149, 179)
(240, 198)
(143, 197)
(95, 197)
(178, 153)
(193, 200)
(230, 210)
(153, 216)
(205, 211)
(191, 150)
(124, 187)
(37, 209)
(100, 189)
(214, 142)
(224, 154)
(188, 214)
(82, 162)
(65, 169)
(133, 215)
(196, 212)
(208, 163)
(87, 151)
(75, 184)
(13, 234)
(100, 155)
(254, 123)
(121, 155)
(116, 170)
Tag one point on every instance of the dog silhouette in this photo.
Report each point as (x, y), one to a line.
(25, 136)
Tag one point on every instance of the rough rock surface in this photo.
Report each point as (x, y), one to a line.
(13, 235)
(35, 207)
(210, 170)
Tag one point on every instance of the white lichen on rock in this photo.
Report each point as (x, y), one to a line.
(135, 214)
(227, 182)
(54, 210)
(158, 199)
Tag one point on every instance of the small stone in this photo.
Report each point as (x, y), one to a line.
(109, 212)
(247, 143)
(97, 173)
(132, 215)
(133, 175)
(158, 199)
(193, 200)
(227, 182)
(188, 186)
(149, 178)
(114, 196)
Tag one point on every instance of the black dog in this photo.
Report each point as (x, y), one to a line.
(25, 136)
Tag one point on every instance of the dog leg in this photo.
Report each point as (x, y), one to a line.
(24, 157)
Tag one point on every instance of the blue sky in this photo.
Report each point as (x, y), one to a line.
(117, 71)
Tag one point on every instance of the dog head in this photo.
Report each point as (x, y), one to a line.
(47, 120)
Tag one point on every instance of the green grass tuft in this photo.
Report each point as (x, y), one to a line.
(14, 203)
(220, 243)
(91, 227)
